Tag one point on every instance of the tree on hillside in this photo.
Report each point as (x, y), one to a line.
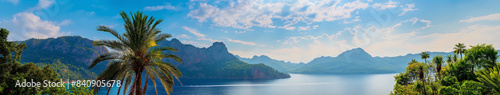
(449, 59)
(459, 49)
(424, 55)
(438, 60)
(481, 56)
(7, 48)
(136, 53)
(422, 68)
(12, 71)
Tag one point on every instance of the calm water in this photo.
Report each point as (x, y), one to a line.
(298, 84)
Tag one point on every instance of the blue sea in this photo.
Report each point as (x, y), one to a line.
(298, 84)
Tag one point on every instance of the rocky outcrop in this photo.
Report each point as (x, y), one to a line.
(216, 62)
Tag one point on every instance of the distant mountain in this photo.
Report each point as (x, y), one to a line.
(215, 62)
(281, 66)
(75, 52)
(351, 61)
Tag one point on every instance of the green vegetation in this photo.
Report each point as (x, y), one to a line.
(8, 48)
(135, 53)
(68, 71)
(11, 71)
(70, 50)
(424, 55)
(474, 74)
(236, 68)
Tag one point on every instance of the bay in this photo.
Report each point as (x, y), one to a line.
(298, 84)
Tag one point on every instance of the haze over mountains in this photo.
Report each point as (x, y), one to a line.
(351, 61)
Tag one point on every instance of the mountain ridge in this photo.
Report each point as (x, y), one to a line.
(358, 60)
(215, 61)
(212, 62)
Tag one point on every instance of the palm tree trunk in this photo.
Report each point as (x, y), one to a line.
(109, 89)
(461, 55)
(121, 84)
(145, 85)
(138, 82)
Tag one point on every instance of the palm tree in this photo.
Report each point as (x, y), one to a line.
(136, 52)
(424, 55)
(459, 49)
(455, 58)
(438, 60)
(412, 61)
(449, 59)
(422, 68)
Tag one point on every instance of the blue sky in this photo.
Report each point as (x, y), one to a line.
(290, 30)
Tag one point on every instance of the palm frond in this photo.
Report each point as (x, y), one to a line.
(162, 36)
(115, 45)
(103, 57)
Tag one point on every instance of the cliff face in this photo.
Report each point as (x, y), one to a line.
(217, 63)
(192, 56)
(73, 50)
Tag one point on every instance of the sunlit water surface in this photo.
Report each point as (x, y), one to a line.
(298, 84)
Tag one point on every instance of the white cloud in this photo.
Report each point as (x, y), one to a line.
(193, 31)
(208, 39)
(356, 19)
(27, 25)
(415, 20)
(471, 35)
(65, 22)
(241, 42)
(246, 14)
(183, 36)
(386, 5)
(408, 8)
(239, 32)
(42, 4)
(491, 17)
(162, 7)
(371, 38)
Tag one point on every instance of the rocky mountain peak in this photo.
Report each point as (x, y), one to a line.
(356, 53)
(218, 46)
(260, 57)
(175, 41)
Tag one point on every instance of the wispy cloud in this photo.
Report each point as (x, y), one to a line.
(161, 7)
(183, 36)
(42, 4)
(249, 13)
(241, 42)
(408, 8)
(193, 31)
(491, 17)
(208, 39)
(386, 5)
